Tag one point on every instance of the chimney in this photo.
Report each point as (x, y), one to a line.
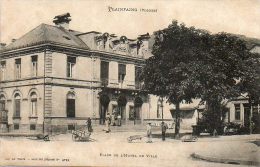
(62, 20)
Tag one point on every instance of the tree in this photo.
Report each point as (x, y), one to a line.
(228, 70)
(210, 118)
(167, 73)
(192, 63)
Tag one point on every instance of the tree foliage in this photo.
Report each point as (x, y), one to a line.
(191, 63)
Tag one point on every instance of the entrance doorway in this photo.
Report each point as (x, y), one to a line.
(246, 115)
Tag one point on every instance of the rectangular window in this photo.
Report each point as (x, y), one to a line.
(71, 61)
(71, 127)
(34, 60)
(2, 105)
(138, 71)
(16, 126)
(17, 68)
(237, 111)
(17, 108)
(2, 70)
(32, 127)
(34, 107)
(104, 72)
(121, 72)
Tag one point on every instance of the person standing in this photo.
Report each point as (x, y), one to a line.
(119, 119)
(149, 132)
(113, 119)
(108, 122)
(164, 128)
(89, 125)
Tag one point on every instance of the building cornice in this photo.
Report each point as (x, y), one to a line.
(67, 49)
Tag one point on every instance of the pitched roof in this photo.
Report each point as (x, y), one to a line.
(46, 33)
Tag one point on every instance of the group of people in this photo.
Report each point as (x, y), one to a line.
(115, 119)
(108, 122)
(112, 120)
(164, 127)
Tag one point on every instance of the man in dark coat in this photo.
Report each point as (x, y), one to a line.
(164, 128)
(89, 125)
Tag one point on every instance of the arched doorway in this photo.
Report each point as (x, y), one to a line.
(104, 102)
(121, 102)
(138, 102)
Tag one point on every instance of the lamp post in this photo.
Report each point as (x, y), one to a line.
(161, 101)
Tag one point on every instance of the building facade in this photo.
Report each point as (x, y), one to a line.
(53, 78)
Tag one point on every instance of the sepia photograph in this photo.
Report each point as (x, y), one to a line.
(148, 83)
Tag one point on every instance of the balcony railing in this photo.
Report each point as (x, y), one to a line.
(3, 116)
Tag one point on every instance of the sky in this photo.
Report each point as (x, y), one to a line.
(18, 17)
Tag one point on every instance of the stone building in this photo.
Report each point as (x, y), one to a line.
(53, 78)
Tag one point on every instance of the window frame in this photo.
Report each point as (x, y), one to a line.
(33, 104)
(121, 73)
(34, 65)
(2, 70)
(70, 100)
(71, 62)
(17, 100)
(2, 103)
(18, 68)
(237, 112)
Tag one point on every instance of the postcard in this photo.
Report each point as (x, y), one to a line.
(129, 83)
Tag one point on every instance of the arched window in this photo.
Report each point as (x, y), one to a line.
(33, 107)
(17, 105)
(70, 105)
(2, 102)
